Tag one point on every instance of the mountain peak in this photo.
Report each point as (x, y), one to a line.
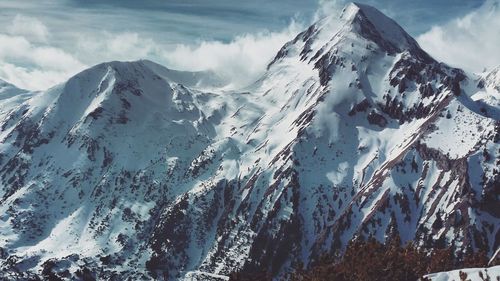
(143, 68)
(377, 27)
(358, 24)
(8, 90)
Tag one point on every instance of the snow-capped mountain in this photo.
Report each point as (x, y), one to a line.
(132, 170)
(11, 96)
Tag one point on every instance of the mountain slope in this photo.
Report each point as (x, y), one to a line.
(131, 170)
(8, 90)
(11, 96)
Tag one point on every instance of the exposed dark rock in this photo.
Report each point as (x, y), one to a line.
(360, 107)
(377, 119)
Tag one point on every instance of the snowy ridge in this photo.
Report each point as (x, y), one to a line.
(491, 79)
(472, 274)
(11, 96)
(132, 170)
(8, 90)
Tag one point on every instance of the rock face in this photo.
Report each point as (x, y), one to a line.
(131, 170)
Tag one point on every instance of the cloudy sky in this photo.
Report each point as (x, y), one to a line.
(42, 43)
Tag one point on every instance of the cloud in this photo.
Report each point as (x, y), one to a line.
(470, 42)
(240, 61)
(28, 27)
(34, 66)
(31, 78)
(329, 8)
(105, 46)
(28, 61)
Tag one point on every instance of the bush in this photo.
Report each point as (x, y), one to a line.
(371, 260)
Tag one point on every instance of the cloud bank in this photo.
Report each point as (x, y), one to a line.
(29, 28)
(30, 64)
(470, 42)
(29, 61)
(240, 61)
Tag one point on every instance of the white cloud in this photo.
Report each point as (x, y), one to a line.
(105, 46)
(328, 8)
(37, 66)
(28, 27)
(240, 61)
(31, 78)
(471, 42)
(27, 61)
(34, 66)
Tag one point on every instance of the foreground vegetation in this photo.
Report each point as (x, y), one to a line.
(371, 260)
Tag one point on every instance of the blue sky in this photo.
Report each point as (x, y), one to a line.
(185, 21)
(69, 35)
